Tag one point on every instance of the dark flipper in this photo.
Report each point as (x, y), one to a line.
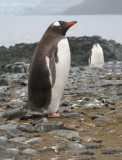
(52, 69)
(21, 112)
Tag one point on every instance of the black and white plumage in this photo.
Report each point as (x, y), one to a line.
(49, 69)
(96, 59)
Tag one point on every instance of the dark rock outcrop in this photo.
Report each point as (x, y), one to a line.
(80, 49)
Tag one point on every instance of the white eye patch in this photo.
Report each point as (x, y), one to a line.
(56, 24)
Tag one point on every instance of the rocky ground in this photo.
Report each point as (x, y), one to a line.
(90, 126)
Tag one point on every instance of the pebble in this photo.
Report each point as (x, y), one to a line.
(66, 133)
(47, 127)
(108, 150)
(91, 146)
(88, 94)
(72, 115)
(28, 128)
(87, 151)
(29, 151)
(75, 145)
(34, 140)
(111, 132)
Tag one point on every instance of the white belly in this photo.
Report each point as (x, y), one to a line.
(62, 72)
(97, 59)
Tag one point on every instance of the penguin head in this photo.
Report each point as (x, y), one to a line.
(96, 45)
(60, 27)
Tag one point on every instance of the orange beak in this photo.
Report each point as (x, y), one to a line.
(71, 23)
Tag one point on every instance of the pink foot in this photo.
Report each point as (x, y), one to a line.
(55, 115)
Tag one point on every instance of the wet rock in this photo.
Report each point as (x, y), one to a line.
(34, 140)
(46, 127)
(66, 133)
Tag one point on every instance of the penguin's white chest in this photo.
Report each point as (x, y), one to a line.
(97, 58)
(62, 72)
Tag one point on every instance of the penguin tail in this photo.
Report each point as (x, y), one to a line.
(21, 112)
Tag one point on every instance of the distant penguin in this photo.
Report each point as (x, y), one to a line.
(49, 69)
(96, 59)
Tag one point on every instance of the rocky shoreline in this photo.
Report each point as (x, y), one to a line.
(90, 125)
(80, 50)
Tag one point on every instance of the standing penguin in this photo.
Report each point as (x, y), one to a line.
(97, 58)
(49, 69)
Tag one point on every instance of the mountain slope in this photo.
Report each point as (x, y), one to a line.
(96, 7)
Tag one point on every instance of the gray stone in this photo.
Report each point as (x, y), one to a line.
(72, 115)
(108, 150)
(34, 140)
(13, 152)
(11, 133)
(29, 151)
(88, 151)
(118, 149)
(43, 120)
(92, 106)
(97, 140)
(75, 145)
(28, 128)
(91, 146)
(3, 141)
(46, 149)
(7, 159)
(111, 132)
(99, 118)
(117, 155)
(66, 133)
(84, 93)
(46, 127)
(64, 103)
(17, 139)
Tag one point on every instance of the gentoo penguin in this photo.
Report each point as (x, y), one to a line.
(96, 59)
(49, 69)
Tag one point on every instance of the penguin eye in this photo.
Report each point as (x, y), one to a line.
(59, 26)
